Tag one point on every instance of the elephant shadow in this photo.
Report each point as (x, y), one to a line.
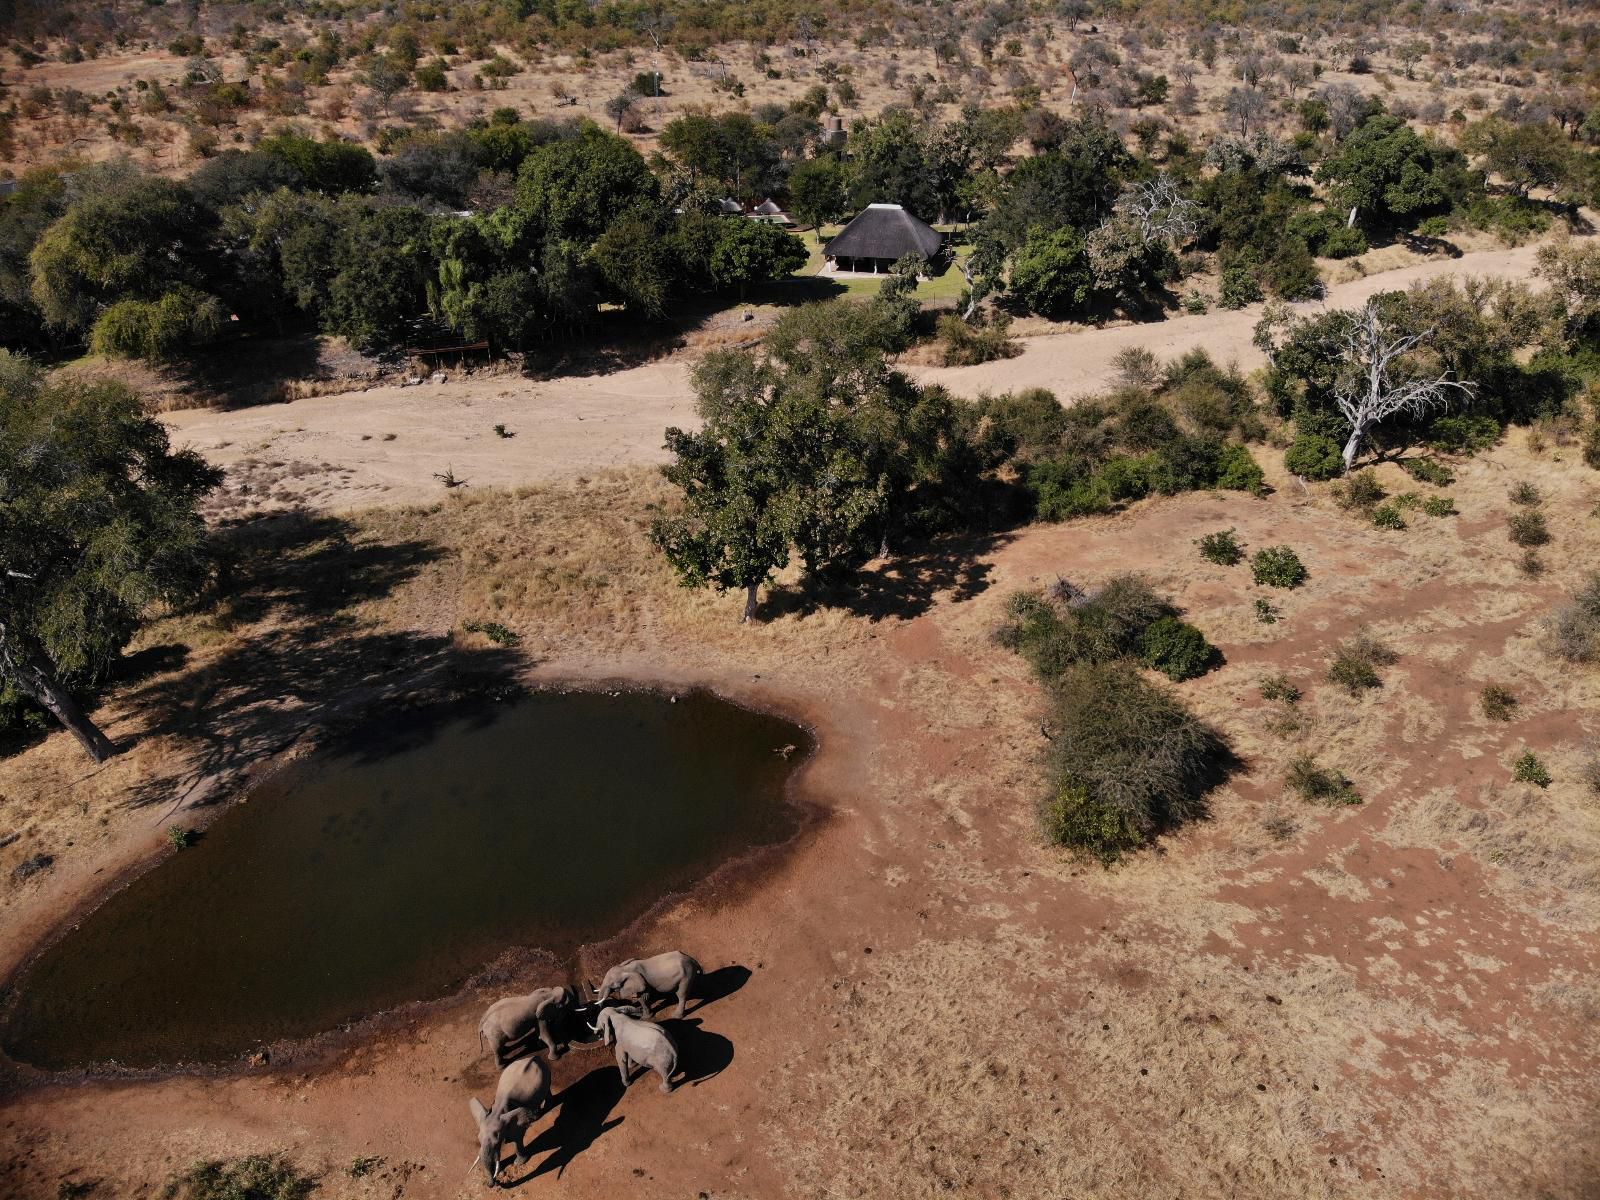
(701, 1053)
(583, 1115)
(718, 985)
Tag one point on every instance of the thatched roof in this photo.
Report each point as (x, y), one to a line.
(885, 231)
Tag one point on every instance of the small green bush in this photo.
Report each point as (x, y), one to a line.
(1439, 506)
(1266, 611)
(1528, 528)
(1238, 471)
(1239, 287)
(1528, 769)
(1464, 435)
(1358, 492)
(1356, 660)
(179, 837)
(1525, 494)
(1314, 457)
(1387, 516)
(1498, 703)
(1278, 566)
(967, 345)
(1061, 491)
(1319, 784)
(495, 632)
(1279, 687)
(1195, 303)
(1428, 470)
(1222, 548)
(1177, 649)
(1344, 242)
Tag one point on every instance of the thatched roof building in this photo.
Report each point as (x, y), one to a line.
(879, 235)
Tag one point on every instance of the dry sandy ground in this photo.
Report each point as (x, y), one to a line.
(1392, 1000)
(386, 445)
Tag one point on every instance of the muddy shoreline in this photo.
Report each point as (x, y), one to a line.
(737, 878)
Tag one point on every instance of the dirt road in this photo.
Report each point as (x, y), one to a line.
(387, 445)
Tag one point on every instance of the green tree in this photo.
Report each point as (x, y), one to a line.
(1051, 273)
(1386, 175)
(817, 191)
(747, 252)
(575, 189)
(157, 330)
(135, 241)
(1525, 155)
(99, 520)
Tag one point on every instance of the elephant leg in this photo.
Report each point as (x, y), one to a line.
(623, 1066)
(666, 1081)
(550, 1044)
(683, 996)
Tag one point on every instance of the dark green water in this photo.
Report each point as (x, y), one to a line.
(396, 868)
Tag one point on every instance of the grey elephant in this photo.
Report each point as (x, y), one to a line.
(509, 1023)
(638, 1042)
(520, 1097)
(672, 973)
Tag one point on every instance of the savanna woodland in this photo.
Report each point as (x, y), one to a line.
(1003, 593)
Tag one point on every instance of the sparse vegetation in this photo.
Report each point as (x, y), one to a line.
(1267, 613)
(1525, 494)
(1573, 631)
(1318, 784)
(1388, 516)
(1356, 660)
(495, 632)
(1428, 470)
(1498, 703)
(257, 1177)
(180, 837)
(1528, 528)
(1279, 688)
(1439, 506)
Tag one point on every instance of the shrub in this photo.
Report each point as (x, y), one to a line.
(1525, 494)
(1137, 761)
(1591, 446)
(1589, 771)
(1195, 303)
(1319, 784)
(1125, 477)
(1279, 687)
(1053, 635)
(1498, 703)
(1528, 528)
(1464, 435)
(1239, 287)
(1359, 491)
(494, 631)
(1530, 564)
(1266, 612)
(967, 345)
(180, 837)
(1222, 548)
(1344, 242)
(1428, 470)
(1356, 660)
(1528, 769)
(1177, 649)
(258, 1177)
(1238, 471)
(1314, 456)
(1387, 516)
(1061, 490)
(1573, 631)
(1136, 367)
(1439, 506)
(1278, 566)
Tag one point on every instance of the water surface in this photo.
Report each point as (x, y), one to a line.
(395, 868)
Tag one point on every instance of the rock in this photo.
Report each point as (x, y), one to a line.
(260, 1058)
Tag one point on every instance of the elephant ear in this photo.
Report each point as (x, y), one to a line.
(478, 1111)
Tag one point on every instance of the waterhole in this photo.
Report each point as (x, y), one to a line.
(398, 865)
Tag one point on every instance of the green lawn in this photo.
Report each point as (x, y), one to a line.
(945, 286)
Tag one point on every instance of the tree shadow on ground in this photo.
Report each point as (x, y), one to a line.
(244, 371)
(904, 585)
(303, 664)
(584, 1107)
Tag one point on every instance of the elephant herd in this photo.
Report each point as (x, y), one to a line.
(518, 1027)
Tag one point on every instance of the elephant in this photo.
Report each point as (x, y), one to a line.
(521, 1096)
(639, 1043)
(672, 973)
(509, 1023)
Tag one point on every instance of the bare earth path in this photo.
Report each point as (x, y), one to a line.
(385, 445)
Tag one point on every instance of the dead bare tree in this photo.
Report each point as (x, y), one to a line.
(1369, 392)
(1159, 210)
